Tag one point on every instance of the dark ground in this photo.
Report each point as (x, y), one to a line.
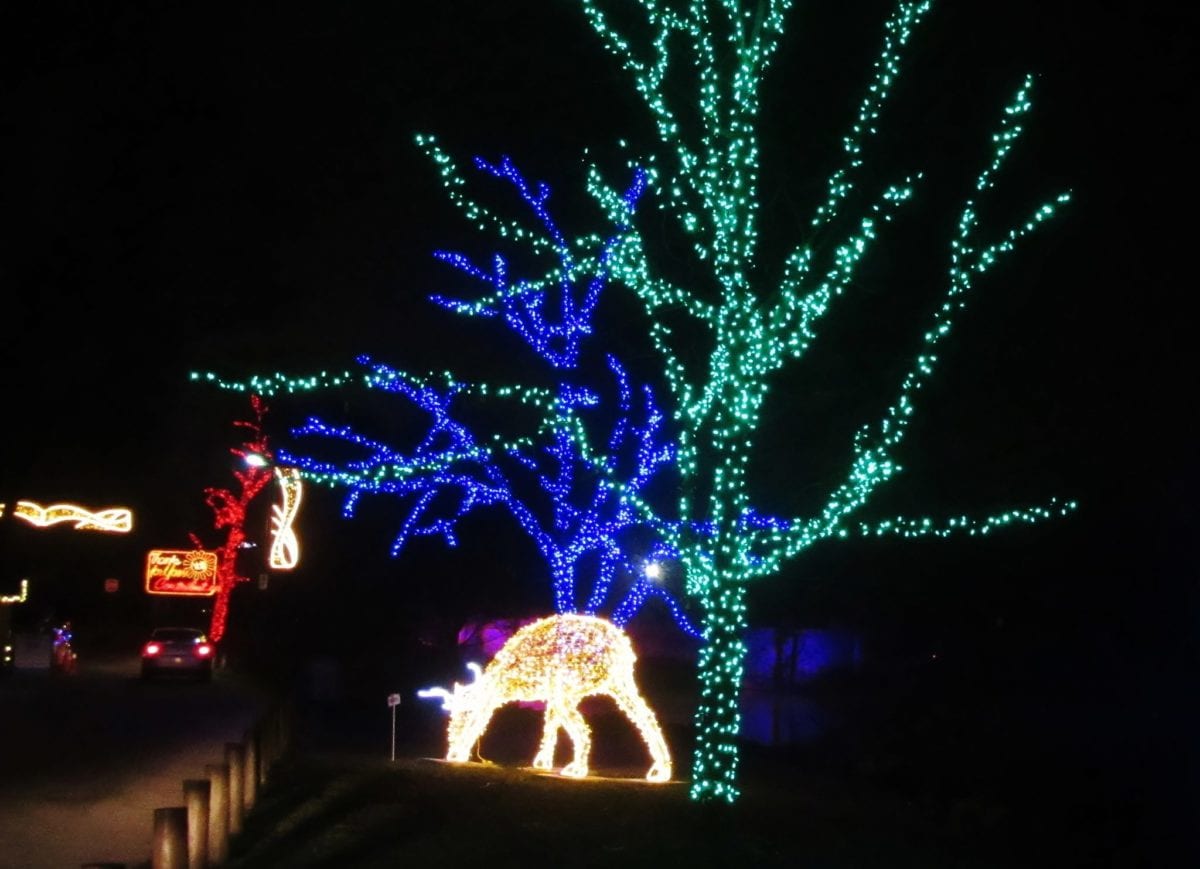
(920, 770)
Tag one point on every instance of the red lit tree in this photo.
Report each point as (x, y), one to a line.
(252, 473)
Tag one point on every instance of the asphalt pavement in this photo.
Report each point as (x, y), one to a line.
(85, 759)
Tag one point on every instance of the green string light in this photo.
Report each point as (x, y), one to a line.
(711, 189)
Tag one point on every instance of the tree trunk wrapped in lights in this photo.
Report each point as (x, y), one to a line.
(229, 511)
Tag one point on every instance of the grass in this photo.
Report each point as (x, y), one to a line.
(910, 775)
(340, 808)
(326, 811)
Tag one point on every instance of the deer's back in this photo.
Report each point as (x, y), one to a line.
(569, 651)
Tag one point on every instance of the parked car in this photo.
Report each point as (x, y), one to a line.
(178, 652)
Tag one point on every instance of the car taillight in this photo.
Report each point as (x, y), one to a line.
(204, 650)
(151, 650)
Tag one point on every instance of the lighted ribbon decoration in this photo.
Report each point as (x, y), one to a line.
(113, 519)
(285, 547)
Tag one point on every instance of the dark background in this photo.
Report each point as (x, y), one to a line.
(234, 187)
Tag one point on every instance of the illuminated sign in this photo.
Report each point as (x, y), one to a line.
(113, 519)
(285, 548)
(559, 660)
(184, 572)
(19, 597)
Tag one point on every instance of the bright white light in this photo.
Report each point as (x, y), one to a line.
(254, 460)
(653, 570)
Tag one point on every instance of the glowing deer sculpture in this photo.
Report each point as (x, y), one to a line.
(559, 660)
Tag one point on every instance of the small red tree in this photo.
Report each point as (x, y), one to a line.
(229, 510)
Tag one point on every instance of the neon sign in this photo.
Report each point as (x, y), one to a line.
(117, 520)
(181, 572)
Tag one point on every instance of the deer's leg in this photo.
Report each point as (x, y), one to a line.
(545, 755)
(643, 718)
(581, 739)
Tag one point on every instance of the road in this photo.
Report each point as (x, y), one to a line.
(85, 759)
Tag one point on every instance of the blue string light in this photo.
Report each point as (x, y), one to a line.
(584, 508)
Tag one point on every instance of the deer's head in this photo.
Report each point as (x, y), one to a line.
(459, 702)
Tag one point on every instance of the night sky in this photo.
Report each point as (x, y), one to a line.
(234, 187)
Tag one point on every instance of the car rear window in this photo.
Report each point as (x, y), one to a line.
(177, 634)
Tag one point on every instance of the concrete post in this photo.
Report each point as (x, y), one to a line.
(218, 813)
(235, 759)
(277, 732)
(250, 784)
(285, 728)
(264, 749)
(196, 798)
(170, 839)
